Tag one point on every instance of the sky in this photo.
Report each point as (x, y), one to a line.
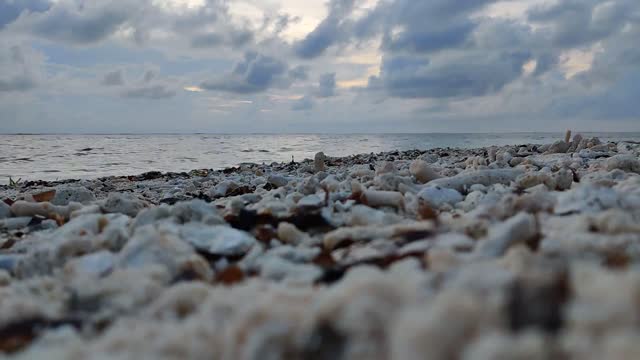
(344, 66)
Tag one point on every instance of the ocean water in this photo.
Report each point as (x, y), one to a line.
(56, 157)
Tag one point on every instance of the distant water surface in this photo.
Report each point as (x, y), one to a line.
(52, 157)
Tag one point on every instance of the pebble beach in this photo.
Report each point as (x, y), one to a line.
(501, 252)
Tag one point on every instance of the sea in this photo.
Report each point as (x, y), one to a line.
(58, 157)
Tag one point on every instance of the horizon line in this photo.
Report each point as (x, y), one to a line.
(311, 133)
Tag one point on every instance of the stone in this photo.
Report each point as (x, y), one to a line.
(587, 199)
(318, 162)
(279, 269)
(310, 202)
(557, 147)
(152, 247)
(437, 196)
(277, 180)
(45, 209)
(518, 229)
(97, 264)
(5, 210)
(217, 240)
(624, 162)
(290, 234)
(68, 194)
(375, 198)
(122, 204)
(464, 181)
(421, 171)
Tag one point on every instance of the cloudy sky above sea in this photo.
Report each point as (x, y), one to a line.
(129, 66)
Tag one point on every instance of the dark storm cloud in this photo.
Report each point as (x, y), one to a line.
(114, 78)
(465, 76)
(10, 10)
(255, 73)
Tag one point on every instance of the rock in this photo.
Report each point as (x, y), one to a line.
(98, 264)
(151, 247)
(318, 162)
(558, 147)
(385, 167)
(223, 188)
(420, 170)
(575, 143)
(68, 194)
(376, 198)
(487, 177)
(290, 234)
(519, 229)
(45, 209)
(5, 210)
(15, 223)
(587, 199)
(277, 180)
(437, 196)
(310, 202)
(624, 162)
(278, 269)
(217, 240)
(122, 204)
(567, 136)
(365, 215)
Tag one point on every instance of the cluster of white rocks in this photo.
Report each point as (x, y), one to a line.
(516, 252)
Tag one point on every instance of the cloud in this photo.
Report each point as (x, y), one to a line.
(449, 77)
(328, 32)
(303, 104)
(151, 92)
(299, 72)
(20, 68)
(255, 73)
(327, 85)
(148, 87)
(79, 22)
(572, 23)
(10, 10)
(114, 78)
(233, 38)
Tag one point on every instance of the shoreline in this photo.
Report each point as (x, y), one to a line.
(520, 250)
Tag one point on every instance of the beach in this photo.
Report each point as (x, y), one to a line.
(524, 251)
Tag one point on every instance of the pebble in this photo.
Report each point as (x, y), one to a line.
(78, 194)
(217, 240)
(437, 196)
(533, 247)
(5, 210)
(122, 204)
